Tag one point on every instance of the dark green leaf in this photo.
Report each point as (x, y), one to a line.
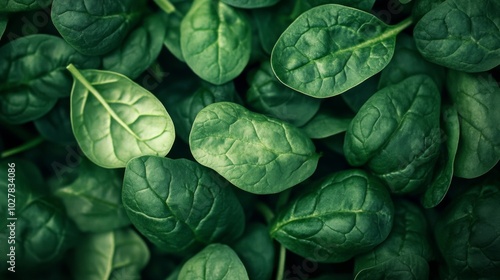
(257, 154)
(95, 27)
(3, 24)
(326, 123)
(343, 215)
(215, 41)
(179, 205)
(410, 267)
(115, 120)
(477, 99)
(10, 6)
(461, 35)
(93, 200)
(139, 50)
(332, 48)
(33, 75)
(250, 4)
(55, 126)
(397, 135)
(215, 262)
(173, 29)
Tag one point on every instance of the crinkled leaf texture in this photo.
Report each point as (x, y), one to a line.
(33, 75)
(461, 34)
(95, 27)
(467, 234)
(256, 153)
(11, 6)
(179, 205)
(396, 134)
(115, 119)
(215, 262)
(332, 48)
(477, 99)
(405, 252)
(215, 41)
(345, 214)
(119, 254)
(93, 200)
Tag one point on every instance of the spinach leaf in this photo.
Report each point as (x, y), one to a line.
(95, 27)
(256, 251)
(257, 154)
(345, 214)
(326, 123)
(115, 120)
(184, 107)
(406, 62)
(11, 6)
(215, 41)
(476, 97)
(3, 24)
(461, 35)
(180, 205)
(250, 4)
(139, 50)
(119, 254)
(422, 7)
(215, 262)
(406, 250)
(441, 181)
(332, 48)
(397, 135)
(55, 126)
(29, 90)
(93, 200)
(272, 21)
(467, 234)
(268, 96)
(173, 28)
(43, 230)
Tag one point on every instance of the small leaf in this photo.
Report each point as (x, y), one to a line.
(115, 120)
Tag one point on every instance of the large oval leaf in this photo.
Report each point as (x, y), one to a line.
(332, 48)
(461, 34)
(257, 154)
(179, 205)
(215, 262)
(345, 214)
(215, 41)
(33, 75)
(115, 120)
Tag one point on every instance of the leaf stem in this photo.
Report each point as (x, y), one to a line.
(402, 25)
(281, 263)
(26, 146)
(265, 211)
(165, 5)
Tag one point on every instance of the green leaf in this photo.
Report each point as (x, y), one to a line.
(441, 181)
(93, 200)
(406, 250)
(332, 48)
(461, 35)
(397, 135)
(55, 126)
(33, 76)
(250, 4)
(139, 50)
(406, 62)
(358, 95)
(215, 41)
(120, 254)
(185, 105)
(215, 262)
(12, 6)
(95, 27)
(115, 120)
(180, 205)
(256, 251)
(345, 214)
(173, 29)
(326, 123)
(257, 154)
(422, 7)
(3, 24)
(268, 96)
(476, 97)
(467, 234)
